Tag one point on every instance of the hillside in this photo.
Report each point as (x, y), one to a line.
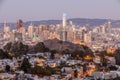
(60, 46)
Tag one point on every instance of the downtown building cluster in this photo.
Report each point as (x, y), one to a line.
(97, 38)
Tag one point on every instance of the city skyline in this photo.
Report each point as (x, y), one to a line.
(59, 40)
(45, 10)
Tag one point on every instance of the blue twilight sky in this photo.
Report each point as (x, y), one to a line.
(28, 10)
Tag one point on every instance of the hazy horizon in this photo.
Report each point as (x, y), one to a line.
(31, 10)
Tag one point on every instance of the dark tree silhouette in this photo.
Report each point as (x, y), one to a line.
(3, 54)
(25, 66)
(40, 71)
(7, 68)
(7, 47)
(40, 47)
(117, 56)
(75, 73)
(53, 52)
(17, 48)
(112, 68)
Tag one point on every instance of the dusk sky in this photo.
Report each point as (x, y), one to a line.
(30, 10)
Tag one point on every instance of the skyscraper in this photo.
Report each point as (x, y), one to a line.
(64, 20)
(64, 32)
(106, 28)
(15, 36)
(87, 37)
(103, 29)
(30, 30)
(71, 32)
(19, 23)
(109, 27)
(6, 28)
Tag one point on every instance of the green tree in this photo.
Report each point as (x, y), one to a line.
(7, 47)
(17, 48)
(52, 70)
(66, 51)
(37, 70)
(84, 67)
(70, 78)
(75, 73)
(25, 65)
(23, 48)
(40, 47)
(77, 54)
(7, 68)
(117, 56)
(40, 71)
(3, 54)
(53, 52)
(104, 62)
(113, 68)
(118, 78)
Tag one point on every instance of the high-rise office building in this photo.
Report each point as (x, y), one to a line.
(30, 30)
(87, 37)
(20, 28)
(19, 23)
(6, 31)
(71, 32)
(64, 23)
(103, 28)
(15, 36)
(109, 26)
(106, 28)
(97, 30)
(6, 28)
(64, 31)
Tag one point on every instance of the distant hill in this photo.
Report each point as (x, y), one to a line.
(76, 21)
